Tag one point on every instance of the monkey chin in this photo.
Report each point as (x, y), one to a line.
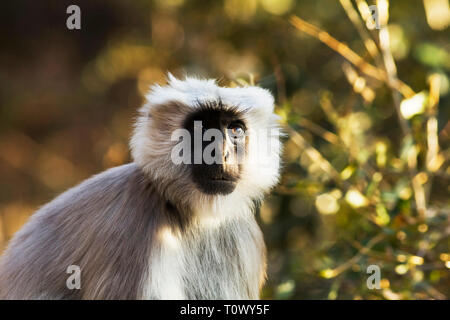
(217, 187)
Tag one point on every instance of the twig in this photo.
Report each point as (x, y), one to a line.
(432, 157)
(318, 130)
(364, 34)
(432, 127)
(391, 71)
(314, 155)
(279, 77)
(348, 54)
(358, 83)
(363, 251)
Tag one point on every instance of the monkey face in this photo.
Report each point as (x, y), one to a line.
(201, 143)
(218, 149)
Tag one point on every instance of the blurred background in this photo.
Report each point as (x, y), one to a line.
(366, 178)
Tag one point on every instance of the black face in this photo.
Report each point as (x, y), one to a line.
(225, 145)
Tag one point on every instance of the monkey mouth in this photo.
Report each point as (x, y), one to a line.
(223, 178)
(214, 179)
(218, 184)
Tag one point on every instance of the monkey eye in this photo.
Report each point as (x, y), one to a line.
(236, 130)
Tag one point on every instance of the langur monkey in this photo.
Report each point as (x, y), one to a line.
(157, 228)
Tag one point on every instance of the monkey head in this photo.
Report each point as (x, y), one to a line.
(200, 142)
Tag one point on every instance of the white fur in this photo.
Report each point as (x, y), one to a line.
(193, 90)
(175, 260)
(166, 268)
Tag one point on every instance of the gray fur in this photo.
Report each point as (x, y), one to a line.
(107, 226)
(104, 225)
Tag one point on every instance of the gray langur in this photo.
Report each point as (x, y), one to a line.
(154, 228)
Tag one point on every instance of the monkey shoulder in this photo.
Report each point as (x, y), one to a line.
(103, 221)
(98, 194)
